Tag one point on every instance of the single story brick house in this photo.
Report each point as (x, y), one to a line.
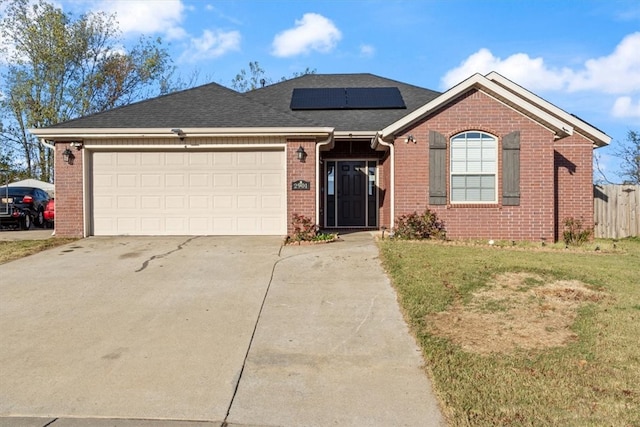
(349, 151)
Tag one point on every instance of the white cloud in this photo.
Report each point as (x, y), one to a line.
(617, 73)
(531, 73)
(212, 44)
(367, 51)
(147, 16)
(624, 107)
(311, 33)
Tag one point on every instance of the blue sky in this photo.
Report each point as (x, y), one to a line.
(583, 56)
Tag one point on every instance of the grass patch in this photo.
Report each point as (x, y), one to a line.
(522, 334)
(10, 250)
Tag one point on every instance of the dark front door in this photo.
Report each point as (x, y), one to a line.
(352, 194)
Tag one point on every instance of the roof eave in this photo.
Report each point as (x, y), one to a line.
(599, 138)
(478, 81)
(67, 134)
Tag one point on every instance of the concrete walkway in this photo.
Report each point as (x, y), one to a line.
(304, 336)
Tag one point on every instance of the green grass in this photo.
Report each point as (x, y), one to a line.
(591, 381)
(10, 250)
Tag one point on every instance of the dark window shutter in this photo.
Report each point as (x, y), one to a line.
(437, 169)
(511, 169)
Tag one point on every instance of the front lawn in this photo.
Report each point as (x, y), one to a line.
(10, 250)
(525, 335)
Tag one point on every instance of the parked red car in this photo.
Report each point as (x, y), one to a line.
(49, 213)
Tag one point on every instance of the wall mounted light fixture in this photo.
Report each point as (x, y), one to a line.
(179, 132)
(302, 155)
(67, 156)
(410, 138)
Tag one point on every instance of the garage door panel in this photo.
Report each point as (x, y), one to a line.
(151, 202)
(151, 181)
(150, 159)
(198, 202)
(151, 225)
(174, 180)
(127, 202)
(199, 180)
(155, 193)
(127, 159)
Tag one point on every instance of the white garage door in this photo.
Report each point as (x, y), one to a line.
(189, 193)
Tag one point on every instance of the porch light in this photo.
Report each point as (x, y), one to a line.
(67, 156)
(179, 132)
(302, 155)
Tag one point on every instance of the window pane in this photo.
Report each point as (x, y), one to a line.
(457, 195)
(473, 181)
(488, 153)
(473, 195)
(331, 179)
(488, 181)
(487, 195)
(474, 154)
(458, 167)
(489, 167)
(458, 181)
(473, 164)
(458, 154)
(474, 167)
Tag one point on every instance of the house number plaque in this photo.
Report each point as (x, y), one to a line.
(301, 185)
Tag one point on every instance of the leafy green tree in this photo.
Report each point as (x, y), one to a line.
(61, 67)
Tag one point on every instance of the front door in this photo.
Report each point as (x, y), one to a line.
(351, 193)
(352, 196)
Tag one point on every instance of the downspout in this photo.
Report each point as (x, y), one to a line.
(318, 185)
(392, 158)
(46, 144)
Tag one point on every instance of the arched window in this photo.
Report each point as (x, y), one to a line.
(474, 158)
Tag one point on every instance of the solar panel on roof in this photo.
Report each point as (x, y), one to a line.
(346, 98)
(374, 97)
(317, 98)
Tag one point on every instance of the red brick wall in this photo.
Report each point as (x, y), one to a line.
(301, 202)
(384, 191)
(536, 217)
(574, 179)
(69, 221)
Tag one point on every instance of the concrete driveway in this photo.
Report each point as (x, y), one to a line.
(207, 331)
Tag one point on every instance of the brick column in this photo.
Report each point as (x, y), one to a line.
(69, 219)
(301, 202)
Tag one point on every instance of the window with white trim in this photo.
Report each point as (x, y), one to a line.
(474, 158)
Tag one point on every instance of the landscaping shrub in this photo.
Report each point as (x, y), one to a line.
(305, 230)
(419, 226)
(574, 234)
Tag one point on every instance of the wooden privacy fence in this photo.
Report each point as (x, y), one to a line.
(616, 210)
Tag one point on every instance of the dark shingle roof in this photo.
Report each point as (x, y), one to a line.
(208, 106)
(214, 106)
(345, 120)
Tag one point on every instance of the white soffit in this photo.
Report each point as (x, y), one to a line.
(109, 133)
(494, 90)
(597, 136)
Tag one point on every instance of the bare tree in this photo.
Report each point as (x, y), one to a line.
(629, 154)
(256, 77)
(61, 67)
